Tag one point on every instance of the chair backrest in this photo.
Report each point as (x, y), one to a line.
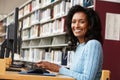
(105, 75)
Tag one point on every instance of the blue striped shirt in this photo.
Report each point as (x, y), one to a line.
(87, 62)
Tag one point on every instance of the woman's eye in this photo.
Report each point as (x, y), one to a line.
(82, 21)
(73, 21)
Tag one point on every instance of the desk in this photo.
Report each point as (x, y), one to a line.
(15, 76)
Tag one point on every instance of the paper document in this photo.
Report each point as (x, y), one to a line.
(112, 26)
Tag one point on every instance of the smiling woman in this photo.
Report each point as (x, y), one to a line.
(79, 25)
(84, 30)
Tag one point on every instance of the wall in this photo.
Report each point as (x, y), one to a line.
(112, 0)
(111, 49)
(7, 6)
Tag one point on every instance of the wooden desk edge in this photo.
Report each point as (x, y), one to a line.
(15, 76)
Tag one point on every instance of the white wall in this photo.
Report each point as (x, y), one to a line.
(118, 1)
(7, 6)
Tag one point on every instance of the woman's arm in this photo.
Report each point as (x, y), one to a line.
(49, 66)
(93, 60)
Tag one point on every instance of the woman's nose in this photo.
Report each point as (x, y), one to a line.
(77, 24)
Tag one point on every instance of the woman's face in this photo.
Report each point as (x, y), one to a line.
(79, 25)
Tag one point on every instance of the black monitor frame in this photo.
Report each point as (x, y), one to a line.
(10, 43)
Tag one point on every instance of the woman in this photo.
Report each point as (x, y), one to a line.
(84, 30)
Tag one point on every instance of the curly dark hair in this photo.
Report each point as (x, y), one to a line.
(94, 29)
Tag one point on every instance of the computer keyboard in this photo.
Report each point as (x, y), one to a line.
(37, 71)
(13, 69)
(17, 65)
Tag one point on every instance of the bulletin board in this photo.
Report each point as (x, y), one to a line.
(111, 48)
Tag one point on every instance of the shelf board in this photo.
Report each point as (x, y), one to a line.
(47, 46)
(92, 6)
(31, 25)
(3, 34)
(2, 19)
(26, 28)
(51, 4)
(0, 43)
(52, 46)
(25, 4)
(45, 6)
(25, 47)
(116, 1)
(29, 13)
(50, 20)
(35, 23)
(53, 35)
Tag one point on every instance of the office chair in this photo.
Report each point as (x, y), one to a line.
(105, 75)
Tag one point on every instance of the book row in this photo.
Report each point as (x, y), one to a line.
(48, 42)
(54, 56)
(47, 29)
(52, 8)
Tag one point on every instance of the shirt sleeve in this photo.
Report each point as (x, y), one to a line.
(93, 56)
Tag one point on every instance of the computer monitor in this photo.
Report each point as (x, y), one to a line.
(10, 43)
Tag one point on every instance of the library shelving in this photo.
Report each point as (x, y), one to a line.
(4, 22)
(8, 35)
(43, 30)
(2, 31)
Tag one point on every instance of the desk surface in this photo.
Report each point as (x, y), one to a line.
(15, 76)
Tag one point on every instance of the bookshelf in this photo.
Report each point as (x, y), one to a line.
(2, 31)
(42, 23)
(4, 22)
(8, 33)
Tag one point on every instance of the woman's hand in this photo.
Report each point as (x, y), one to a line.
(49, 66)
